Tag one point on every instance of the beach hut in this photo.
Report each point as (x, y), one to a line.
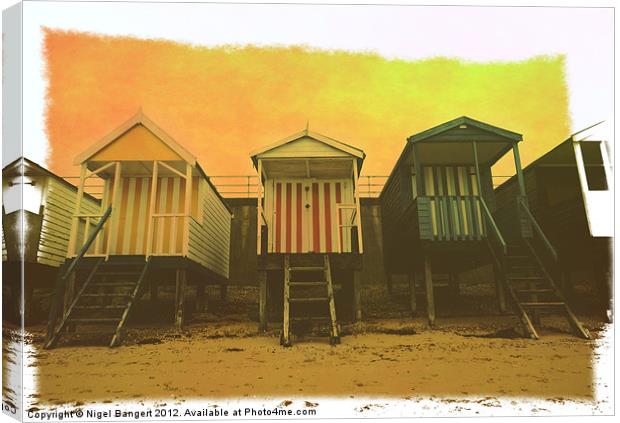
(440, 217)
(48, 203)
(161, 221)
(570, 194)
(309, 232)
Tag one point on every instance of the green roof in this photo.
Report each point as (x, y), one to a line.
(464, 120)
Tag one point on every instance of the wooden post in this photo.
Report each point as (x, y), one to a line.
(500, 279)
(419, 175)
(388, 279)
(200, 298)
(455, 284)
(357, 295)
(262, 300)
(412, 294)
(116, 199)
(75, 220)
(69, 295)
(259, 197)
(223, 291)
(477, 168)
(357, 206)
(179, 311)
(430, 298)
(285, 338)
(520, 179)
(150, 224)
(188, 204)
(154, 291)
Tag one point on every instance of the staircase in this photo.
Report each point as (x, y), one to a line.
(106, 294)
(308, 298)
(533, 291)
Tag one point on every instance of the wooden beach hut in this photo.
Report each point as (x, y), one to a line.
(161, 221)
(48, 205)
(570, 194)
(309, 232)
(440, 217)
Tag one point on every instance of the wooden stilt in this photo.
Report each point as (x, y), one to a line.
(412, 295)
(69, 296)
(200, 298)
(223, 291)
(499, 289)
(388, 279)
(455, 284)
(179, 312)
(285, 337)
(357, 295)
(430, 297)
(262, 300)
(154, 291)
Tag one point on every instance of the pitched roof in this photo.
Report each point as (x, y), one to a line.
(464, 120)
(138, 119)
(346, 148)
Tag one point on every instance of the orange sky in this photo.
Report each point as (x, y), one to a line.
(221, 103)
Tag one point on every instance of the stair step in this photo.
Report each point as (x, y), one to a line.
(112, 284)
(306, 269)
(526, 278)
(543, 304)
(308, 299)
(126, 294)
(535, 291)
(94, 320)
(310, 318)
(100, 307)
(306, 284)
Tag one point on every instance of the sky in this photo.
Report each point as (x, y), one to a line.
(226, 79)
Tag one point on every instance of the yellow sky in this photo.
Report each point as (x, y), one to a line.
(221, 103)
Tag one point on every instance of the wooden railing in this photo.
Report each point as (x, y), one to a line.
(83, 224)
(538, 230)
(491, 222)
(167, 234)
(61, 282)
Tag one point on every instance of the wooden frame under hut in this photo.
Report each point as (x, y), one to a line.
(309, 232)
(440, 217)
(48, 203)
(570, 194)
(161, 221)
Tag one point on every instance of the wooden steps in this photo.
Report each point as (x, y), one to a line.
(99, 300)
(308, 285)
(533, 292)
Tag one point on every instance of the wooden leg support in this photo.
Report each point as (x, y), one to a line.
(357, 295)
(262, 300)
(499, 289)
(430, 297)
(179, 310)
(388, 280)
(200, 298)
(223, 292)
(412, 295)
(154, 291)
(69, 294)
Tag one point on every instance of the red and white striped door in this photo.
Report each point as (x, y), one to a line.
(304, 215)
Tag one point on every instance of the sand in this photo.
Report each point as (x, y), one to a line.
(394, 358)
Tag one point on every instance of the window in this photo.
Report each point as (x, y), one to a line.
(414, 181)
(593, 162)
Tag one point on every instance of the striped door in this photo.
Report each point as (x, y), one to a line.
(304, 215)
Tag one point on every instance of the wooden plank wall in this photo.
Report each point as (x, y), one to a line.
(59, 202)
(209, 240)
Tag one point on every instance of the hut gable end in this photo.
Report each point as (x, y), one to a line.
(138, 141)
(304, 147)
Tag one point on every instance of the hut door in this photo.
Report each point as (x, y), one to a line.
(305, 217)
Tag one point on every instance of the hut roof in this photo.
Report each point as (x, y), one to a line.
(138, 119)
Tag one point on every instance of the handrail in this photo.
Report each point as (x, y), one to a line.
(88, 243)
(538, 229)
(498, 234)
